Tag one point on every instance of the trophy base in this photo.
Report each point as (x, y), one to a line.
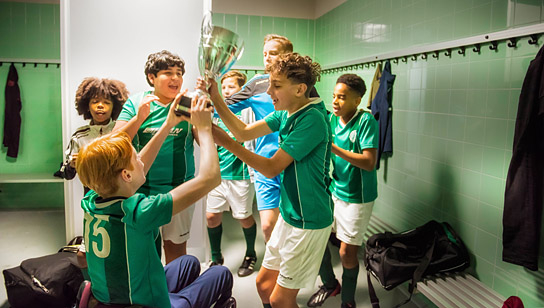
(184, 107)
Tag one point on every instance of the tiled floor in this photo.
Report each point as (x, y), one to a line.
(28, 234)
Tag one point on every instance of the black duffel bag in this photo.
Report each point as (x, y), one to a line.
(48, 281)
(412, 255)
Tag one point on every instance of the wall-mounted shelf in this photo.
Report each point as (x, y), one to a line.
(30, 178)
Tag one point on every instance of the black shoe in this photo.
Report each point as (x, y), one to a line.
(230, 303)
(246, 268)
(319, 297)
(349, 305)
(214, 263)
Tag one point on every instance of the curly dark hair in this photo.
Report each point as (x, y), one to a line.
(162, 60)
(298, 68)
(353, 81)
(91, 87)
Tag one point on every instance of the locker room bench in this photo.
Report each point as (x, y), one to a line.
(449, 290)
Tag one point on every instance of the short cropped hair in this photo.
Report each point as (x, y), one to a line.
(237, 75)
(162, 60)
(92, 87)
(354, 82)
(285, 43)
(297, 68)
(99, 163)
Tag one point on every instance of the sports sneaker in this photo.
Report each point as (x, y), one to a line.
(319, 297)
(213, 263)
(246, 268)
(230, 303)
(349, 305)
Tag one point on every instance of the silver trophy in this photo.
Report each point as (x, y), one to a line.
(219, 49)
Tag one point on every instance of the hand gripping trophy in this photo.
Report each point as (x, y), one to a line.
(219, 49)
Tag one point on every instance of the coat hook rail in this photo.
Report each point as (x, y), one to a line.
(510, 37)
(34, 63)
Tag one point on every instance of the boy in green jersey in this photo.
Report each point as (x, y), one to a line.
(141, 117)
(236, 191)
(354, 186)
(298, 240)
(121, 225)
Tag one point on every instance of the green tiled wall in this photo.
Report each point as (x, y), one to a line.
(254, 28)
(32, 31)
(453, 120)
(29, 30)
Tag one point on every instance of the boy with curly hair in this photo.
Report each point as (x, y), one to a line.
(253, 95)
(298, 240)
(141, 117)
(100, 101)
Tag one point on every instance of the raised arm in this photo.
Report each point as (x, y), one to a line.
(151, 149)
(209, 175)
(131, 127)
(269, 167)
(365, 160)
(239, 129)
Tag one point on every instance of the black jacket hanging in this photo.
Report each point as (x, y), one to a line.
(382, 110)
(523, 194)
(12, 115)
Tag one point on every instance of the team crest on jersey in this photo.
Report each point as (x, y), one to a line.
(353, 136)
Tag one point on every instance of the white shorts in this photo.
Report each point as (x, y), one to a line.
(296, 253)
(351, 220)
(178, 229)
(234, 194)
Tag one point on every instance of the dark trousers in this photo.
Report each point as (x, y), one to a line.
(188, 289)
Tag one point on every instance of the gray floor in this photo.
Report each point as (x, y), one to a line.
(28, 234)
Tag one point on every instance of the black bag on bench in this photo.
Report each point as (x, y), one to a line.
(48, 281)
(412, 255)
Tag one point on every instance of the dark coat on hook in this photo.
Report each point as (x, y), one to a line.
(523, 197)
(382, 111)
(12, 115)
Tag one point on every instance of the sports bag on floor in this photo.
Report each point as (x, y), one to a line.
(49, 281)
(429, 249)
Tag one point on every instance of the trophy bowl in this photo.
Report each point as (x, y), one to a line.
(219, 49)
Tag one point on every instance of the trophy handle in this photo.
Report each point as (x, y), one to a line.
(207, 26)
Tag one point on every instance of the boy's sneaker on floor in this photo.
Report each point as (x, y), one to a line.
(319, 297)
(246, 268)
(213, 263)
(348, 305)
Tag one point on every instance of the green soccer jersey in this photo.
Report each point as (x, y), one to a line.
(175, 161)
(306, 136)
(350, 183)
(123, 262)
(232, 168)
